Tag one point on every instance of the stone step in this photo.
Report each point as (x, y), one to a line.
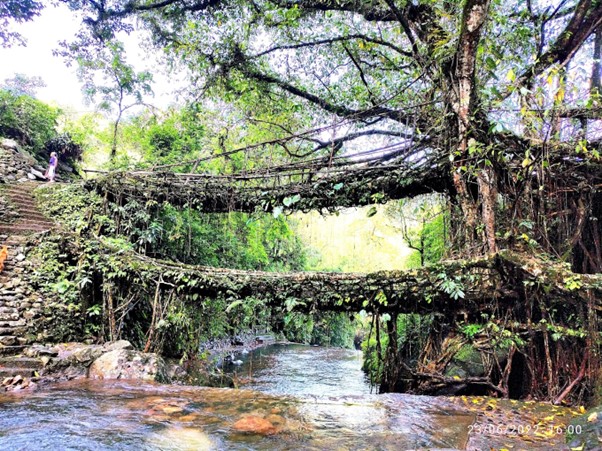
(14, 302)
(37, 221)
(11, 350)
(8, 297)
(24, 208)
(9, 316)
(33, 221)
(32, 214)
(4, 310)
(21, 197)
(8, 340)
(22, 201)
(23, 229)
(19, 361)
(11, 277)
(18, 189)
(10, 300)
(16, 331)
(14, 283)
(11, 323)
(23, 204)
(12, 372)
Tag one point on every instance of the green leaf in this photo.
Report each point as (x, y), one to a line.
(288, 201)
(277, 211)
(338, 186)
(491, 64)
(371, 212)
(233, 305)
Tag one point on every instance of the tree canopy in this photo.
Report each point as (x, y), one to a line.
(505, 93)
(16, 11)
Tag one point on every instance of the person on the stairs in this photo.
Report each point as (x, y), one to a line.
(51, 171)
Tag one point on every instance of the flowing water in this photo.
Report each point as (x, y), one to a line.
(292, 398)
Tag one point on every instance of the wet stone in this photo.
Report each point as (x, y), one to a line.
(253, 424)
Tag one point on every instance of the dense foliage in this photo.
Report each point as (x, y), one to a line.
(27, 120)
(34, 124)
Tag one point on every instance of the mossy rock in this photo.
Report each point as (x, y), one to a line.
(585, 432)
(466, 363)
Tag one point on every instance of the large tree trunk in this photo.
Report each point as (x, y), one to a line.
(596, 81)
(473, 20)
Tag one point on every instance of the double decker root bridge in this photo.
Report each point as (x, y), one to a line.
(520, 301)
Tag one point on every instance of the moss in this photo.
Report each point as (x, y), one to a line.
(467, 362)
(585, 432)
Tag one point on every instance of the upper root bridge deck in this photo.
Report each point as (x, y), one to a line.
(304, 192)
(469, 287)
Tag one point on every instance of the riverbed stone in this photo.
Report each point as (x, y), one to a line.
(253, 424)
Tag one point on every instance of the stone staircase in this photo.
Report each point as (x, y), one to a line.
(18, 303)
(29, 218)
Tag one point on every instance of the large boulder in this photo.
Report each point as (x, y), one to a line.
(129, 364)
(585, 432)
(467, 362)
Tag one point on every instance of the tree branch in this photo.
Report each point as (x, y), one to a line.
(585, 20)
(339, 110)
(351, 37)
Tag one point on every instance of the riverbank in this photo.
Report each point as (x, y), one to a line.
(39, 365)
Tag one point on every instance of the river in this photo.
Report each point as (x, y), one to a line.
(291, 398)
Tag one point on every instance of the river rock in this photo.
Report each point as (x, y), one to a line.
(585, 432)
(129, 364)
(85, 354)
(72, 360)
(254, 424)
(39, 351)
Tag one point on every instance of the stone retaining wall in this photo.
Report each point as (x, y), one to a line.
(26, 315)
